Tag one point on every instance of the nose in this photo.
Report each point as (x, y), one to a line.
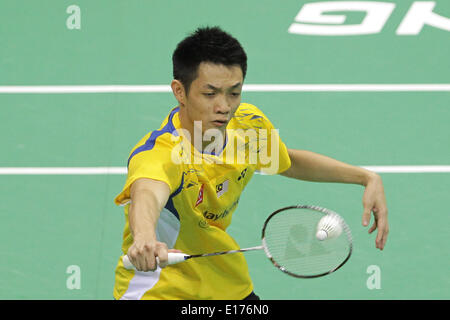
(221, 105)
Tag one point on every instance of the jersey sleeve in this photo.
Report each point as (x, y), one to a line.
(152, 162)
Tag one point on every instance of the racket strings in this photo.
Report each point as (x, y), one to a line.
(290, 241)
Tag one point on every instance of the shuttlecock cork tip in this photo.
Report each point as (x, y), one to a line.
(321, 235)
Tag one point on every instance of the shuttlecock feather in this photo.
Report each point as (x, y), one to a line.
(329, 226)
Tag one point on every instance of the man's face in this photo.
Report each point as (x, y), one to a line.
(213, 96)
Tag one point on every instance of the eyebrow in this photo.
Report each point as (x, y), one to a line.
(210, 86)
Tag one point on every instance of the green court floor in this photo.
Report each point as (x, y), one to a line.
(52, 222)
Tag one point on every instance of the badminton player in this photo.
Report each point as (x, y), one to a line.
(181, 192)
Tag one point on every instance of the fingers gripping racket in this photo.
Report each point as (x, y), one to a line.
(302, 241)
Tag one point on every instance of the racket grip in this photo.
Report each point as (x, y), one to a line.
(176, 257)
(127, 263)
(173, 258)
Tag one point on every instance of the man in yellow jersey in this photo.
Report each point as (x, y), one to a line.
(185, 179)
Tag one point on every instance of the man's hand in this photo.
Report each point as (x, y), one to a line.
(374, 201)
(143, 253)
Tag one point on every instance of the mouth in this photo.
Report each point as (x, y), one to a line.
(220, 123)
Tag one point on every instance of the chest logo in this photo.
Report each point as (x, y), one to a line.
(242, 175)
(221, 188)
(200, 196)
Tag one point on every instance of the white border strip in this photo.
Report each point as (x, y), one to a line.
(123, 170)
(247, 88)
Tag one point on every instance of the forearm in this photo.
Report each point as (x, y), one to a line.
(143, 214)
(310, 166)
(148, 198)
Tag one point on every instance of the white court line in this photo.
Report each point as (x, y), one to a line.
(123, 170)
(86, 89)
(247, 88)
(409, 169)
(62, 170)
(345, 87)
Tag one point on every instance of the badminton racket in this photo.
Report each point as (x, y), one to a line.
(291, 241)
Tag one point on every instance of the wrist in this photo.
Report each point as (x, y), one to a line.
(143, 235)
(369, 177)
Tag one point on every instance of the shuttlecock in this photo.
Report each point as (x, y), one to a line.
(329, 226)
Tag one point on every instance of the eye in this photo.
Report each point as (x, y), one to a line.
(235, 94)
(209, 94)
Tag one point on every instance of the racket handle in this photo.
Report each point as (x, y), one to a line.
(174, 257)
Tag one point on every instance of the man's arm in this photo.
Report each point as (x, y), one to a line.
(148, 198)
(310, 166)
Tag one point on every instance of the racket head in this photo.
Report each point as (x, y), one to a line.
(289, 241)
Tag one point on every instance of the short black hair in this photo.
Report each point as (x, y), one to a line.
(206, 44)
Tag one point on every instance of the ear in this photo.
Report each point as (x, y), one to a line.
(178, 92)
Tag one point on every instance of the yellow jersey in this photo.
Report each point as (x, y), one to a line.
(205, 190)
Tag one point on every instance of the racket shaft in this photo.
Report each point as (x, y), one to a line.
(225, 252)
(176, 257)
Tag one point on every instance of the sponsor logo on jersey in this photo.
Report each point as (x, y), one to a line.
(214, 216)
(200, 196)
(242, 175)
(222, 188)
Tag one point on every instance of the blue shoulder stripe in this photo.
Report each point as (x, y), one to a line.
(169, 205)
(150, 143)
